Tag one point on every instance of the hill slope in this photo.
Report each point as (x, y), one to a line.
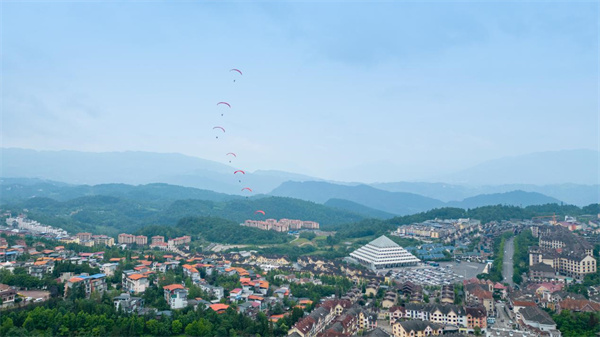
(399, 203)
(514, 198)
(540, 168)
(365, 211)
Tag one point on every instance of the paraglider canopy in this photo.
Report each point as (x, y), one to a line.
(239, 171)
(236, 70)
(225, 103)
(247, 188)
(260, 211)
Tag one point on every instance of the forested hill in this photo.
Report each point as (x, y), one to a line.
(113, 215)
(216, 230)
(374, 227)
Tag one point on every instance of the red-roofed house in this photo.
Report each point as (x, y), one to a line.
(176, 296)
(219, 308)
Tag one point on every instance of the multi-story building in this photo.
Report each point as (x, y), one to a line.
(84, 236)
(179, 241)
(7, 293)
(90, 283)
(126, 238)
(464, 318)
(567, 261)
(176, 296)
(158, 239)
(416, 328)
(282, 225)
(141, 240)
(134, 282)
(103, 240)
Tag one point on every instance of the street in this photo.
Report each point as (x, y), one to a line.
(502, 319)
(507, 264)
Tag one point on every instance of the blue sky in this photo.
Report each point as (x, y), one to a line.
(354, 91)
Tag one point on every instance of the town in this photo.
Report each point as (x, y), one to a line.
(508, 278)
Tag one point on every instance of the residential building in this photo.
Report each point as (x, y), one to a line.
(90, 283)
(176, 296)
(7, 293)
(134, 282)
(126, 238)
(141, 240)
(128, 303)
(537, 318)
(83, 236)
(158, 239)
(416, 328)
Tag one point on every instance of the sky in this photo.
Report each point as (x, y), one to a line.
(349, 91)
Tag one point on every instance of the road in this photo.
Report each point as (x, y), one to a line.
(502, 319)
(507, 264)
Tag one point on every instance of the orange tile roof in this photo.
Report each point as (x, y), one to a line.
(255, 297)
(75, 279)
(145, 262)
(115, 259)
(40, 263)
(136, 277)
(172, 287)
(219, 306)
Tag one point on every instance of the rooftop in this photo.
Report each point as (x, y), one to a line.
(383, 242)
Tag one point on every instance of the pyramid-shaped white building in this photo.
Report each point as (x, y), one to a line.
(383, 253)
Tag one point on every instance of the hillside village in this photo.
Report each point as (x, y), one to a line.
(368, 293)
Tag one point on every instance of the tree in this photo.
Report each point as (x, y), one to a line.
(477, 331)
(176, 327)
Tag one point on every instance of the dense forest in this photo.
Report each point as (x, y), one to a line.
(375, 227)
(155, 209)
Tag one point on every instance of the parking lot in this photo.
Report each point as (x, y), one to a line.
(446, 273)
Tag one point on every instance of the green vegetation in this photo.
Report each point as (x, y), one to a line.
(374, 227)
(578, 324)
(521, 256)
(98, 317)
(588, 281)
(112, 215)
(495, 274)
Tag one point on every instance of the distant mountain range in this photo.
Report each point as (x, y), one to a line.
(541, 168)
(400, 203)
(567, 176)
(136, 168)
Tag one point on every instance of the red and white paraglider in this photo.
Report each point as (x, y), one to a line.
(260, 211)
(219, 127)
(224, 104)
(231, 154)
(237, 71)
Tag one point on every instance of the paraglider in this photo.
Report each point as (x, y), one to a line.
(224, 103)
(236, 70)
(231, 153)
(239, 171)
(219, 127)
(260, 211)
(247, 188)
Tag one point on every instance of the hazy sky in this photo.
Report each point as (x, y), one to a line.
(339, 90)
